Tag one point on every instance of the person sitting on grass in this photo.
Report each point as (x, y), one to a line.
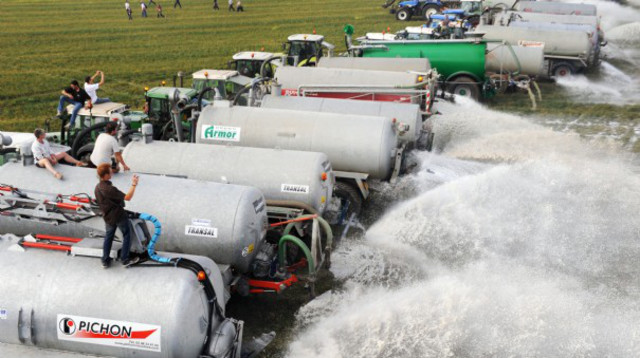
(44, 157)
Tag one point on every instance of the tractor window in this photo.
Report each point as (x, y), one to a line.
(158, 109)
(304, 50)
(471, 6)
(200, 84)
(248, 68)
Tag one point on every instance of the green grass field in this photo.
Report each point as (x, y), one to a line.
(47, 43)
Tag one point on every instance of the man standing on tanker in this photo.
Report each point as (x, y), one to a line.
(112, 202)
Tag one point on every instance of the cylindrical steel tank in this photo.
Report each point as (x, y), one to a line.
(348, 84)
(557, 8)
(559, 19)
(551, 26)
(234, 215)
(353, 143)
(556, 42)
(377, 64)
(279, 174)
(403, 112)
(53, 300)
(500, 57)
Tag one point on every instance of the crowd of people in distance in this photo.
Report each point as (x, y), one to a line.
(145, 5)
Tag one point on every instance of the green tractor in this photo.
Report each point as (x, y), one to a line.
(306, 49)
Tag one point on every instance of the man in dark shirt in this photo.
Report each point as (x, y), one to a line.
(76, 96)
(111, 202)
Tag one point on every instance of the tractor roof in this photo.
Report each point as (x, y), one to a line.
(252, 55)
(163, 92)
(101, 110)
(306, 37)
(214, 74)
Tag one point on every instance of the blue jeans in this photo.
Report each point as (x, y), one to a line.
(76, 107)
(125, 227)
(101, 100)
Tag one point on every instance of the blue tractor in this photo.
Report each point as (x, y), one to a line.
(423, 8)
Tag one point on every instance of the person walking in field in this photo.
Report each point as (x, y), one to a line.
(152, 2)
(159, 10)
(128, 8)
(143, 6)
(177, 3)
(239, 7)
(215, 5)
(91, 88)
(231, 8)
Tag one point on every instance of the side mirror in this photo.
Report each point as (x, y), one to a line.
(229, 64)
(284, 46)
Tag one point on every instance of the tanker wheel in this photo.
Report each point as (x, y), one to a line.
(429, 10)
(349, 194)
(464, 86)
(562, 69)
(403, 15)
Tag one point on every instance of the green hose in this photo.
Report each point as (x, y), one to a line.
(282, 251)
(325, 225)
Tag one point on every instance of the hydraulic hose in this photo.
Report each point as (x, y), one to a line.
(156, 234)
(282, 251)
(201, 95)
(77, 142)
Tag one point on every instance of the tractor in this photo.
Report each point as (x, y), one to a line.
(306, 49)
(423, 8)
(249, 64)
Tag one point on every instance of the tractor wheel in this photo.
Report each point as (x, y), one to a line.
(429, 10)
(403, 15)
(348, 193)
(464, 86)
(84, 137)
(562, 70)
(84, 153)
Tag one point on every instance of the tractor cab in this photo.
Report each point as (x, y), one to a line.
(163, 114)
(249, 63)
(227, 83)
(306, 49)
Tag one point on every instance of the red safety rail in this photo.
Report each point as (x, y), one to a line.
(5, 188)
(74, 240)
(41, 245)
(271, 286)
(294, 220)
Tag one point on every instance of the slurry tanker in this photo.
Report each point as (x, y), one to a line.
(55, 295)
(359, 147)
(286, 178)
(415, 65)
(403, 112)
(556, 8)
(365, 85)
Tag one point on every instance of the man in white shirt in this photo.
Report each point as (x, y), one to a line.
(106, 147)
(143, 6)
(44, 157)
(91, 88)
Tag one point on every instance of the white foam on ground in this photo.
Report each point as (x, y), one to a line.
(536, 254)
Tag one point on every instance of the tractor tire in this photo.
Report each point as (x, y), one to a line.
(403, 15)
(85, 152)
(429, 10)
(464, 86)
(348, 193)
(562, 69)
(83, 138)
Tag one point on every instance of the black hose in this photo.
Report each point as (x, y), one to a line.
(201, 95)
(240, 93)
(77, 142)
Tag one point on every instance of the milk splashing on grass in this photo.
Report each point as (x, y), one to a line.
(533, 252)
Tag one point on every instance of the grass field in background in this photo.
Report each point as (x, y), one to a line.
(46, 43)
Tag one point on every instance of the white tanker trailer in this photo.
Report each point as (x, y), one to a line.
(406, 65)
(226, 223)
(527, 60)
(358, 147)
(403, 112)
(283, 176)
(556, 8)
(566, 51)
(364, 85)
(54, 300)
